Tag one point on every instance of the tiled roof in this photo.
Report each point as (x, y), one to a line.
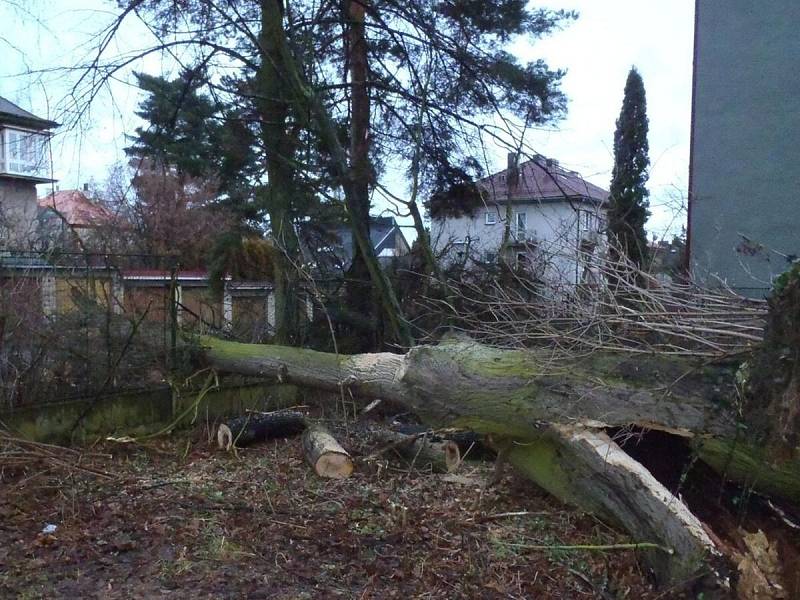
(540, 180)
(11, 112)
(77, 209)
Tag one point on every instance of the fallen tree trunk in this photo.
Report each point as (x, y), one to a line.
(461, 383)
(422, 452)
(526, 398)
(325, 455)
(587, 469)
(255, 427)
(512, 393)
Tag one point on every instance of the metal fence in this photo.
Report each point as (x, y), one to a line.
(71, 325)
(78, 325)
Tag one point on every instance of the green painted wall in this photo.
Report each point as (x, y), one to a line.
(745, 176)
(140, 413)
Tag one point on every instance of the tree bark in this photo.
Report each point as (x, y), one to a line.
(251, 428)
(274, 101)
(308, 102)
(505, 392)
(586, 468)
(359, 293)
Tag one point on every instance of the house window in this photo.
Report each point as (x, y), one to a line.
(491, 217)
(522, 226)
(587, 220)
(23, 152)
(490, 257)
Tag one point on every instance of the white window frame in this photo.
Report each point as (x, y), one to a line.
(588, 221)
(521, 231)
(490, 218)
(27, 160)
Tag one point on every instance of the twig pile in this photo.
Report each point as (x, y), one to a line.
(616, 308)
(16, 453)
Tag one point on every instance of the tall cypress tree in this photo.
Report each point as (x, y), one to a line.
(628, 195)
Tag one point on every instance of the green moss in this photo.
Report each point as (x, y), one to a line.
(226, 350)
(520, 430)
(132, 412)
(489, 362)
(750, 466)
(539, 460)
(140, 413)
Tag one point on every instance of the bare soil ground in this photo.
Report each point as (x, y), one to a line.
(177, 518)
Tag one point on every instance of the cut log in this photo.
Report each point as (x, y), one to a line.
(257, 427)
(470, 444)
(325, 455)
(423, 451)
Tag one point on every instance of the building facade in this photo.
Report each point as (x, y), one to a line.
(535, 215)
(744, 186)
(24, 162)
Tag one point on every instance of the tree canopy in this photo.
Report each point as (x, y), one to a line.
(325, 96)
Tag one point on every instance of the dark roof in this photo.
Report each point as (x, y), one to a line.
(13, 114)
(380, 229)
(541, 179)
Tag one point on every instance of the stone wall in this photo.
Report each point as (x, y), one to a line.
(18, 209)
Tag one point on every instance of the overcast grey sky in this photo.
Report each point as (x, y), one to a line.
(597, 50)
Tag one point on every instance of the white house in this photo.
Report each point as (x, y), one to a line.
(553, 219)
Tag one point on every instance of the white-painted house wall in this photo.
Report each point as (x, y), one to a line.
(552, 237)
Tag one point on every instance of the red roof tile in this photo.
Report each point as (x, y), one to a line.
(77, 209)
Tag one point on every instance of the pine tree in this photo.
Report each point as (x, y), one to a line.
(628, 195)
(181, 131)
